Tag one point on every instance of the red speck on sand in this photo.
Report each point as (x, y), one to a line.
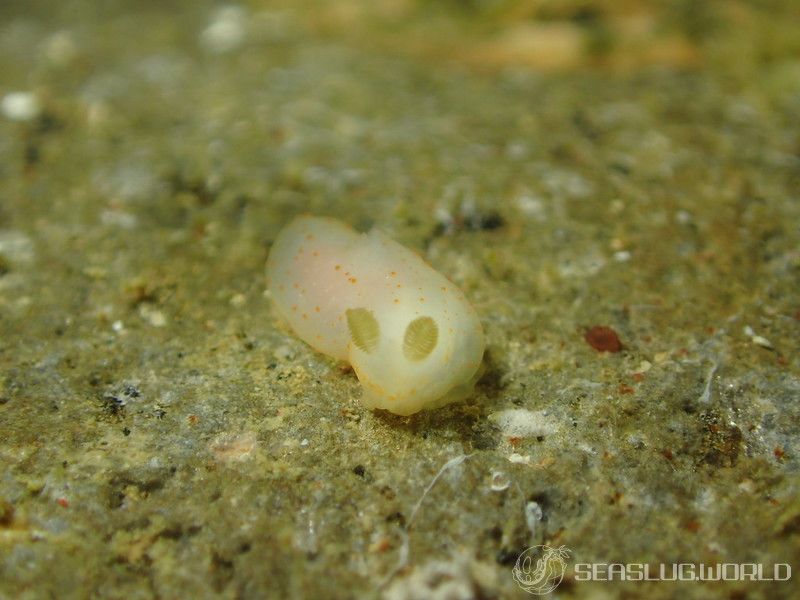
(603, 339)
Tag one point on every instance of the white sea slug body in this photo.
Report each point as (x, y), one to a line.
(411, 336)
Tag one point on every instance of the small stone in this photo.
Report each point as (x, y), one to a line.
(153, 316)
(758, 340)
(622, 256)
(747, 486)
(61, 48)
(762, 341)
(531, 206)
(238, 300)
(226, 32)
(20, 106)
(661, 357)
(636, 441)
(519, 459)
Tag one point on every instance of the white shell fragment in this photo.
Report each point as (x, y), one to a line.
(411, 336)
(500, 481)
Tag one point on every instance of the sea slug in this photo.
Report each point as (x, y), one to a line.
(411, 336)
